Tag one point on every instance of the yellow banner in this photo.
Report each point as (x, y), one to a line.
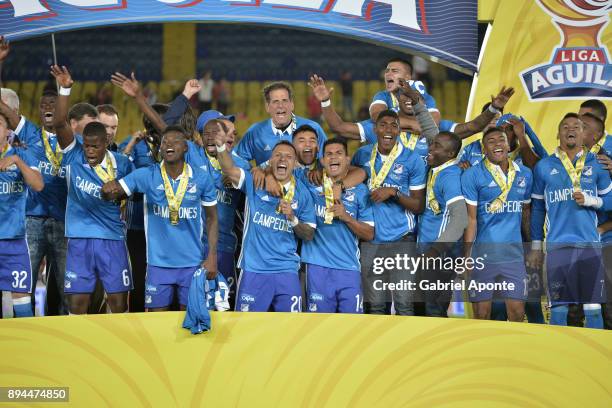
(311, 360)
(554, 53)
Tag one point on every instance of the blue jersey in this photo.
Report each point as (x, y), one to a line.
(604, 216)
(407, 173)
(51, 201)
(268, 243)
(258, 142)
(172, 246)
(567, 222)
(385, 98)
(228, 200)
(472, 153)
(140, 156)
(447, 190)
(447, 125)
(13, 195)
(335, 245)
(87, 214)
(480, 190)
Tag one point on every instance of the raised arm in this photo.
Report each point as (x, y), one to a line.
(412, 97)
(336, 124)
(131, 87)
(181, 103)
(228, 168)
(481, 121)
(60, 118)
(527, 154)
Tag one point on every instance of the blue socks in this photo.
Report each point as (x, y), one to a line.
(558, 315)
(592, 317)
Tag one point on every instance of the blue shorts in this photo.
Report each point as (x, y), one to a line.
(575, 275)
(161, 283)
(333, 290)
(15, 267)
(263, 292)
(511, 280)
(89, 259)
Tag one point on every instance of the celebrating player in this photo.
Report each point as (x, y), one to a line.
(174, 193)
(396, 180)
(17, 169)
(269, 259)
(445, 217)
(498, 195)
(96, 245)
(258, 142)
(569, 187)
(332, 257)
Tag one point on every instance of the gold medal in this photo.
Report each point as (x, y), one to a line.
(174, 200)
(597, 146)
(287, 194)
(574, 173)
(329, 198)
(504, 183)
(431, 182)
(213, 161)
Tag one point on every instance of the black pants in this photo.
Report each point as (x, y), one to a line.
(137, 247)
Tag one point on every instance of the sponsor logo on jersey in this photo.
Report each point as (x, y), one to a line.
(554, 171)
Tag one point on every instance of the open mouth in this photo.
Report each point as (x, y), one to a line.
(48, 116)
(281, 168)
(91, 161)
(388, 137)
(334, 167)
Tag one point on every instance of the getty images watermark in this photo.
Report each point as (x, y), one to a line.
(433, 266)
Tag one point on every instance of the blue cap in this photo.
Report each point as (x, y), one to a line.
(210, 115)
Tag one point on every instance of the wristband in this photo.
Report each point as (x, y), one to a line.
(536, 245)
(493, 109)
(222, 148)
(294, 222)
(326, 103)
(592, 201)
(64, 91)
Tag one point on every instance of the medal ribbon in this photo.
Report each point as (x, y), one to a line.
(175, 200)
(431, 182)
(504, 183)
(287, 193)
(376, 180)
(108, 174)
(55, 158)
(574, 173)
(597, 146)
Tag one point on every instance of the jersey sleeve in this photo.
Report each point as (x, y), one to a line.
(417, 173)
(209, 192)
(529, 186)
(447, 126)
(604, 184)
(366, 213)
(245, 184)
(27, 131)
(537, 190)
(366, 131)
(469, 187)
(126, 164)
(306, 210)
(137, 181)
(381, 98)
(321, 137)
(245, 148)
(451, 188)
(72, 153)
